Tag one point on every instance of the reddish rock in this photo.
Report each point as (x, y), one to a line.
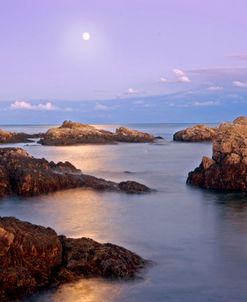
(241, 120)
(71, 133)
(25, 175)
(7, 137)
(227, 170)
(198, 133)
(28, 256)
(124, 134)
(33, 257)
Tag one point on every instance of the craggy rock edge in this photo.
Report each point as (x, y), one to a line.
(227, 169)
(33, 257)
(23, 175)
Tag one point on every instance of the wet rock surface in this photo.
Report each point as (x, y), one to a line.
(198, 133)
(227, 170)
(24, 175)
(34, 257)
(71, 133)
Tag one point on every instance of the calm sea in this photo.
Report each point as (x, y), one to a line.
(197, 238)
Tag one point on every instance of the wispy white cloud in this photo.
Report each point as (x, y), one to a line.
(205, 103)
(239, 84)
(242, 56)
(181, 76)
(215, 88)
(194, 104)
(132, 91)
(23, 105)
(102, 107)
(163, 80)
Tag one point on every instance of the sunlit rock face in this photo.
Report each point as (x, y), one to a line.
(242, 120)
(227, 170)
(33, 257)
(24, 175)
(198, 133)
(71, 133)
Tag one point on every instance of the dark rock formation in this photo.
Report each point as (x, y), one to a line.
(227, 170)
(25, 175)
(70, 133)
(133, 187)
(198, 133)
(34, 257)
(7, 137)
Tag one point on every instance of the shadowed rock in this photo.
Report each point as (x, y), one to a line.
(25, 175)
(198, 133)
(34, 257)
(71, 133)
(227, 170)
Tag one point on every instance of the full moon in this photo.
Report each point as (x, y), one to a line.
(85, 36)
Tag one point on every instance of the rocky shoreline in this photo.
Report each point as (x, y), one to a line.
(33, 257)
(23, 175)
(227, 169)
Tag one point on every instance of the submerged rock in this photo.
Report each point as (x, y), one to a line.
(71, 133)
(34, 257)
(24, 175)
(198, 133)
(227, 170)
(7, 137)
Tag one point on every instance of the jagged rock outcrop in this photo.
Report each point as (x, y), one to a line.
(242, 120)
(24, 175)
(198, 133)
(71, 133)
(33, 257)
(227, 170)
(7, 137)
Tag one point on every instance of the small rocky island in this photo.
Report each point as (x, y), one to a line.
(7, 137)
(21, 174)
(71, 133)
(227, 169)
(33, 257)
(197, 133)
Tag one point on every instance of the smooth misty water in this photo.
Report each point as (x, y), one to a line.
(197, 239)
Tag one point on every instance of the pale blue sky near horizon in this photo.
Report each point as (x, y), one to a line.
(146, 61)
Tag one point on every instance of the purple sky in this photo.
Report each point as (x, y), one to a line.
(138, 48)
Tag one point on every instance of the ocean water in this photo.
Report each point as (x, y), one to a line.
(197, 239)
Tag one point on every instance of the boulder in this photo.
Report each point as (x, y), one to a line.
(198, 133)
(227, 170)
(24, 175)
(33, 257)
(71, 133)
(124, 134)
(133, 187)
